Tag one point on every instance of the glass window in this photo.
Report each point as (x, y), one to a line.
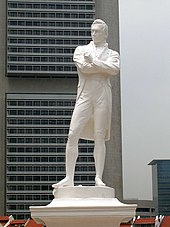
(36, 197)
(51, 6)
(66, 15)
(36, 103)
(44, 6)
(36, 23)
(74, 15)
(67, 33)
(21, 32)
(28, 14)
(74, 33)
(28, 5)
(36, 159)
(36, 140)
(59, 6)
(74, 24)
(36, 32)
(36, 67)
(28, 168)
(82, 33)
(13, 23)
(36, 41)
(28, 59)
(51, 41)
(12, 187)
(44, 168)
(36, 14)
(21, 14)
(74, 6)
(36, 6)
(36, 149)
(21, 23)
(44, 32)
(20, 207)
(59, 41)
(21, 168)
(52, 168)
(36, 187)
(28, 149)
(20, 178)
(60, 159)
(44, 24)
(51, 50)
(44, 188)
(82, 7)
(52, 178)
(67, 68)
(28, 187)
(20, 197)
(28, 197)
(51, 68)
(29, 41)
(36, 178)
(52, 149)
(12, 5)
(13, 41)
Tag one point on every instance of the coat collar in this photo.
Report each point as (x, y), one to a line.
(103, 50)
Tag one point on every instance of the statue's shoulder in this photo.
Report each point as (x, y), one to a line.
(113, 52)
(81, 49)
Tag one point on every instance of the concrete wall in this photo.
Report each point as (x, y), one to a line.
(2, 104)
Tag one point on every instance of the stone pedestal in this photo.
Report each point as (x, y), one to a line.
(83, 207)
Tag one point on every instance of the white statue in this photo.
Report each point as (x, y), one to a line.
(91, 118)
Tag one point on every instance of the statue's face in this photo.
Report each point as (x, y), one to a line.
(98, 34)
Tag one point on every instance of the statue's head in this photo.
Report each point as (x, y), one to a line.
(99, 31)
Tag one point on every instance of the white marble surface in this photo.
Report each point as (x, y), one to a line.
(84, 192)
(83, 206)
(96, 63)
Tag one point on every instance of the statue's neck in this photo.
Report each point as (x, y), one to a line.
(101, 44)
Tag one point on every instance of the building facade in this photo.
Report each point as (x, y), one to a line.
(38, 81)
(145, 208)
(161, 186)
(42, 36)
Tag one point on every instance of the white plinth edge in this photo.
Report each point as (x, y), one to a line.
(83, 206)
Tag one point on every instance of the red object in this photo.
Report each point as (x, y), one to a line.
(165, 221)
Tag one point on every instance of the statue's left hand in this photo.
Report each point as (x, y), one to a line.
(88, 57)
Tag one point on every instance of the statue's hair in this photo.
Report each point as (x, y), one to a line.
(102, 23)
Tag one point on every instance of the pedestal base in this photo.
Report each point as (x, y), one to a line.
(83, 207)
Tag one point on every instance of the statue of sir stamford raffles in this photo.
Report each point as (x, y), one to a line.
(91, 118)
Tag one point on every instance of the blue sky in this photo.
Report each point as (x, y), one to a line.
(145, 90)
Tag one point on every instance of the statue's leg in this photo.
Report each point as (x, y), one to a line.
(80, 117)
(71, 157)
(100, 125)
(99, 157)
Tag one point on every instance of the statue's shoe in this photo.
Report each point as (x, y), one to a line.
(63, 183)
(99, 182)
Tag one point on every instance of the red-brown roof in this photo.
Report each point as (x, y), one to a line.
(165, 221)
(125, 224)
(32, 223)
(4, 218)
(144, 221)
(17, 223)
